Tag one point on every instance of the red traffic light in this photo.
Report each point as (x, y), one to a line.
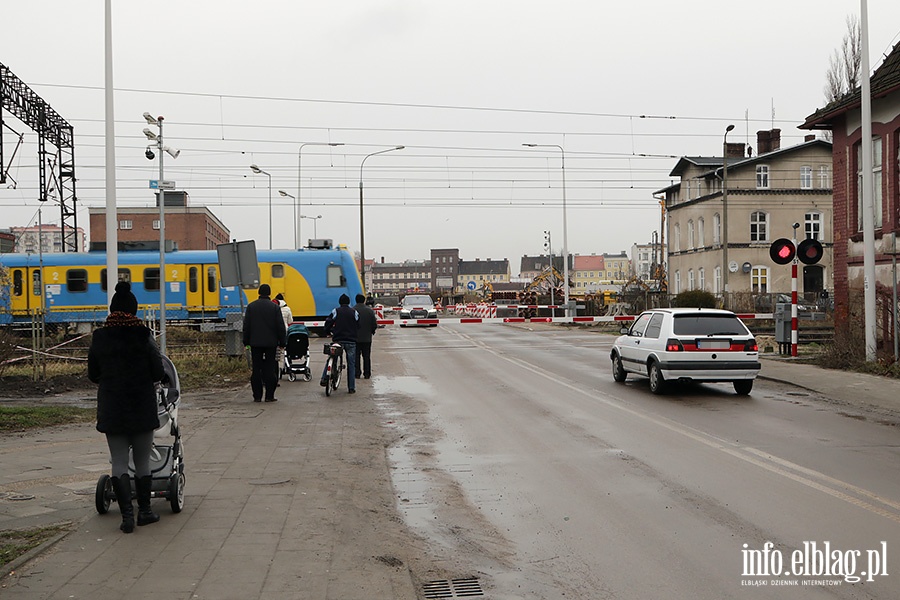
(782, 251)
(810, 251)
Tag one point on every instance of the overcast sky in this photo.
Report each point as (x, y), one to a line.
(624, 87)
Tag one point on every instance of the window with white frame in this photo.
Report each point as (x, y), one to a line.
(690, 234)
(812, 225)
(762, 177)
(677, 240)
(125, 224)
(701, 237)
(824, 177)
(759, 280)
(806, 177)
(717, 280)
(759, 226)
(690, 279)
(717, 229)
(701, 279)
(677, 282)
(877, 196)
(156, 224)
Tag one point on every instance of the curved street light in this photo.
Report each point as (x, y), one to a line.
(362, 237)
(725, 217)
(259, 171)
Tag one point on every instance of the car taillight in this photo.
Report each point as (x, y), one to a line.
(751, 346)
(673, 345)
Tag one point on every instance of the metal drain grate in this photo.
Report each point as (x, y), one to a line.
(467, 587)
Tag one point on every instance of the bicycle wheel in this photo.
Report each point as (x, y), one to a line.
(329, 367)
(337, 369)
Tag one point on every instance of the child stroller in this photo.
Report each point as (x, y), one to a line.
(166, 462)
(296, 354)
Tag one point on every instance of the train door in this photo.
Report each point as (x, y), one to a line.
(202, 294)
(25, 290)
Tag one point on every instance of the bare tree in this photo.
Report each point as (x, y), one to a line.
(842, 76)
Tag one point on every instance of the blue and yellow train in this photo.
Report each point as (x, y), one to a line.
(74, 284)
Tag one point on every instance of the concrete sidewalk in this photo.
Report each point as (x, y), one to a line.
(857, 390)
(291, 499)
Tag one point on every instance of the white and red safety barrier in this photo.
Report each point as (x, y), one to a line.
(473, 319)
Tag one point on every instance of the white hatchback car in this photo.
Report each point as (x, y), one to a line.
(690, 344)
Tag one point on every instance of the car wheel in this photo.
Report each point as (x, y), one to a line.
(618, 370)
(743, 386)
(657, 381)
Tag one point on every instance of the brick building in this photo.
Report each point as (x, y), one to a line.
(187, 227)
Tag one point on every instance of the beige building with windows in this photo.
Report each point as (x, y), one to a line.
(766, 194)
(587, 276)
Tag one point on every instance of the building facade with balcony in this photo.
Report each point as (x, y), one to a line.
(46, 238)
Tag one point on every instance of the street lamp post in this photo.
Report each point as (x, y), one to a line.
(565, 222)
(314, 220)
(259, 171)
(725, 217)
(294, 199)
(298, 211)
(161, 199)
(362, 237)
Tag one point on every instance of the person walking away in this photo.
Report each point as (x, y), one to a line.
(288, 319)
(126, 362)
(264, 331)
(368, 324)
(343, 325)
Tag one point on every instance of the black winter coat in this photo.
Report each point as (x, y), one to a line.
(342, 324)
(126, 362)
(264, 325)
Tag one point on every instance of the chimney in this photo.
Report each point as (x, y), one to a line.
(734, 149)
(382, 260)
(768, 141)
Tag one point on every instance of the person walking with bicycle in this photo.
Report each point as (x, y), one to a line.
(343, 327)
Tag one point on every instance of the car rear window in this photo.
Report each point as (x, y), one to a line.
(708, 325)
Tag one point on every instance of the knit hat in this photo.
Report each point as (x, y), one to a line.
(123, 300)
(344, 299)
(360, 298)
(265, 290)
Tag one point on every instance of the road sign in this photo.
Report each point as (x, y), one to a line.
(166, 184)
(471, 285)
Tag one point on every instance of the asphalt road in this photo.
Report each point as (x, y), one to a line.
(521, 452)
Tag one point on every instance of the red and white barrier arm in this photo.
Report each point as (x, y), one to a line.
(470, 320)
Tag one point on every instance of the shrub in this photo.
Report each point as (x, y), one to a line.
(695, 299)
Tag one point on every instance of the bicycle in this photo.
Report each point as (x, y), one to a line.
(334, 366)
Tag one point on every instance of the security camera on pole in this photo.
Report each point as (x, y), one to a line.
(784, 251)
(161, 186)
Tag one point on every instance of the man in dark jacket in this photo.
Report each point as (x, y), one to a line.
(264, 332)
(368, 324)
(343, 326)
(126, 362)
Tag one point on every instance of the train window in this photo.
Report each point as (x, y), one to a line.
(210, 279)
(76, 280)
(277, 271)
(36, 283)
(124, 275)
(335, 276)
(193, 284)
(18, 284)
(151, 279)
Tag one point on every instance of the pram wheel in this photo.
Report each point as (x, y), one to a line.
(176, 492)
(291, 377)
(104, 494)
(307, 375)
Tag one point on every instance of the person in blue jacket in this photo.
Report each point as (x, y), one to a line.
(343, 327)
